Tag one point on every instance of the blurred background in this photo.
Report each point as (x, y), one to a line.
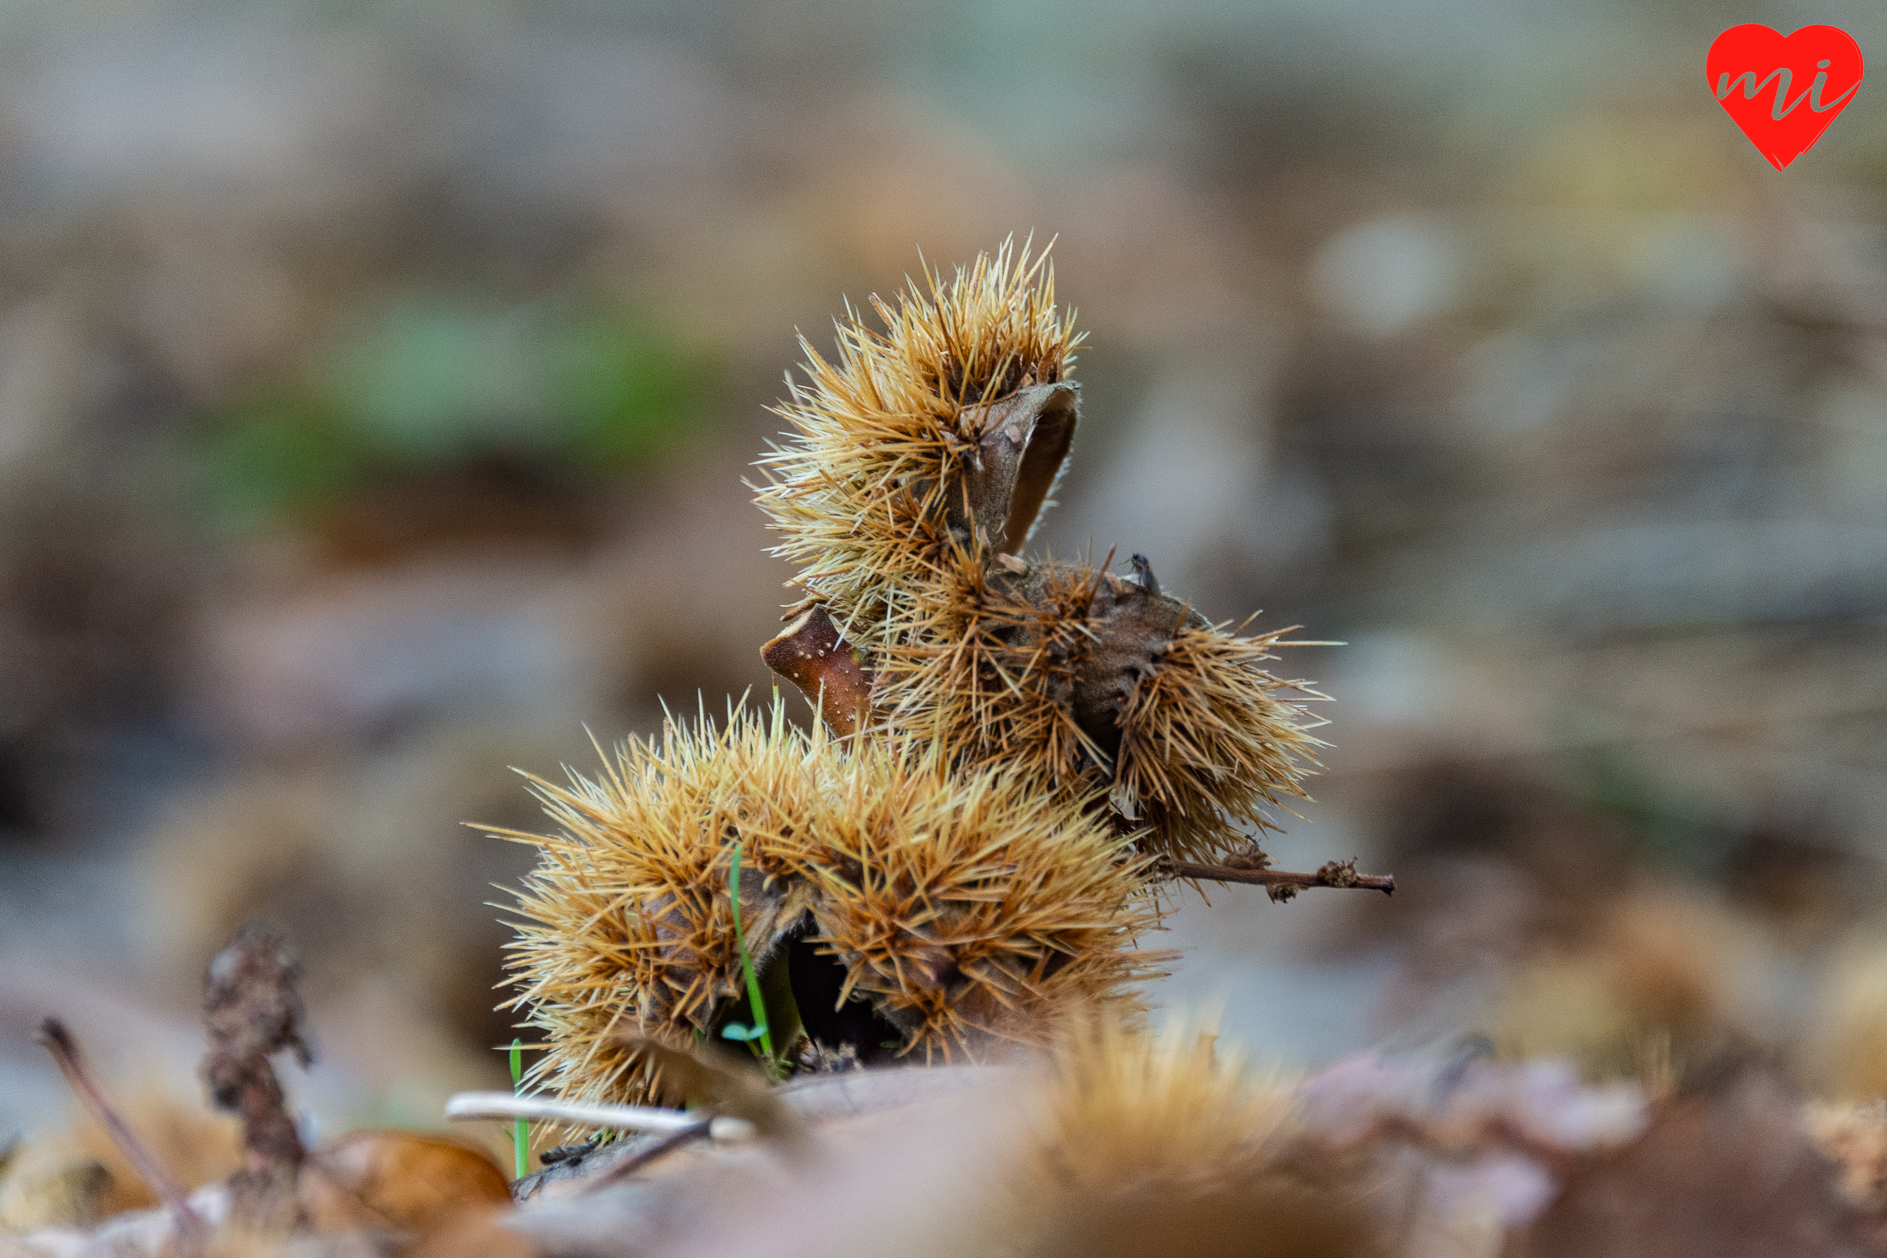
(377, 383)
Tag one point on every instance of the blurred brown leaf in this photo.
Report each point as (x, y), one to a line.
(1722, 1173)
(397, 1181)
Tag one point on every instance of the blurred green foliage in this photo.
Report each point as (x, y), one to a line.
(1660, 822)
(428, 383)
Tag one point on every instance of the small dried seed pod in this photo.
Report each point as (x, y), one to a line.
(947, 429)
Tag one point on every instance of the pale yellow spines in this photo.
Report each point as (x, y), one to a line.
(970, 911)
(859, 494)
(628, 927)
(984, 667)
(1140, 1145)
(1086, 683)
(1212, 742)
(1132, 1109)
(976, 913)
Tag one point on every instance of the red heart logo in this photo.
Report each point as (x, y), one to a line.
(1784, 92)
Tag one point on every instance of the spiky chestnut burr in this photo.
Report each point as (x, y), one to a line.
(1145, 1145)
(1174, 1107)
(1084, 682)
(966, 912)
(974, 912)
(628, 927)
(920, 461)
(946, 430)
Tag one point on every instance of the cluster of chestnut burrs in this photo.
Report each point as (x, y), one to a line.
(1015, 754)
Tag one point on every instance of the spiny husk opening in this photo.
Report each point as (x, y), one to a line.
(628, 926)
(885, 435)
(975, 915)
(970, 912)
(1083, 683)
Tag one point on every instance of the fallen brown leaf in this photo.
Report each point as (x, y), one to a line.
(396, 1181)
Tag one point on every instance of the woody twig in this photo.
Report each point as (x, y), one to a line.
(251, 1010)
(58, 1041)
(1281, 884)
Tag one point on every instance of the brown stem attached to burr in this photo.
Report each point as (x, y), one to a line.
(828, 670)
(1281, 885)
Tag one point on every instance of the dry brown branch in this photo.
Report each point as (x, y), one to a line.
(1282, 885)
(251, 1010)
(618, 1171)
(65, 1051)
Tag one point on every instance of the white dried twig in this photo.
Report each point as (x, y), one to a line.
(468, 1105)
